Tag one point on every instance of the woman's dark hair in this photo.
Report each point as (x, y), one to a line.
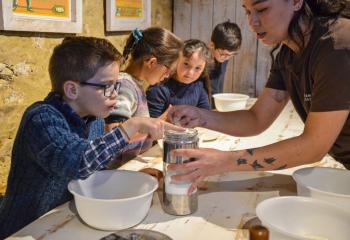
(310, 9)
(153, 41)
(194, 45)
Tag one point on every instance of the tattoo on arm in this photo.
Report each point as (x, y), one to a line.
(256, 165)
(269, 160)
(281, 167)
(250, 151)
(241, 161)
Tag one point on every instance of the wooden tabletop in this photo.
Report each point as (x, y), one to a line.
(226, 202)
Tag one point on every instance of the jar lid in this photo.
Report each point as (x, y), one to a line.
(189, 134)
(137, 234)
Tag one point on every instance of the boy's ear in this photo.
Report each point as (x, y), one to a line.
(151, 62)
(70, 90)
(211, 45)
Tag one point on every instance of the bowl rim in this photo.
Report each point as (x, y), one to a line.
(295, 177)
(241, 95)
(119, 199)
(304, 199)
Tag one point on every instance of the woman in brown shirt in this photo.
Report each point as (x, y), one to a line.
(312, 68)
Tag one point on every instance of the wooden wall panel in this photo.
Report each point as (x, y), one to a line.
(202, 19)
(182, 18)
(245, 62)
(223, 10)
(262, 68)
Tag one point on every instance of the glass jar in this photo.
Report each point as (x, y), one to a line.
(176, 200)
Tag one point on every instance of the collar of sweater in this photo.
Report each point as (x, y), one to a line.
(56, 100)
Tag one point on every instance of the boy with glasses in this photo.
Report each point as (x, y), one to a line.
(62, 137)
(225, 42)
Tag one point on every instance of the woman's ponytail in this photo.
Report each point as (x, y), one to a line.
(154, 41)
(330, 8)
(133, 39)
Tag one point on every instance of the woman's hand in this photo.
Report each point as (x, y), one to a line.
(206, 162)
(187, 116)
(152, 127)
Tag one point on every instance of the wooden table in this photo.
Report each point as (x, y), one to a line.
(226, 202)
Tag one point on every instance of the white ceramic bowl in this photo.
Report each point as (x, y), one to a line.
(225, 102)
(329, 184)
(113, 199)
(303, 218)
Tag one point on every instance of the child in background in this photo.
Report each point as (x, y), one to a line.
(154, 53)
(62, 137)
(225, 42)
(190, 85)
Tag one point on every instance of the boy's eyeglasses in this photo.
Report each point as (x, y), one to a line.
(226, 54)
(108, 89)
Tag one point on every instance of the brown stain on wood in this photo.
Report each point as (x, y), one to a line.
(55, 228)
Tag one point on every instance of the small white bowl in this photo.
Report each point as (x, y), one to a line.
(329, 184)
(113, 199)
(303, 218)
(225, 102)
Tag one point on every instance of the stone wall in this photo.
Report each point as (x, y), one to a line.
(23, 67)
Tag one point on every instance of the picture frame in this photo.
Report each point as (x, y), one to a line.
(63, 16)
(124, 15)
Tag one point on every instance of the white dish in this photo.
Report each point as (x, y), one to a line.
(302, 218)
(113, 199)
(328, 184)
(225, 102)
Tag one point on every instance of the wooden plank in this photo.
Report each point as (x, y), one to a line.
(228, 83)
(262, 67)
(245, 62)
(224, 10)
(182, 18)
(202, 18)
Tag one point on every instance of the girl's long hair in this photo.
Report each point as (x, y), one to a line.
(154, 41)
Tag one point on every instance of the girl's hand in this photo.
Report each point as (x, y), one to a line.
(206, 162)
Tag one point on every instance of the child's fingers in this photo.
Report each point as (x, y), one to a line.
(170, 126)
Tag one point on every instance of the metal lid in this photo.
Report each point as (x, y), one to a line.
(189, 134)
(136, 234)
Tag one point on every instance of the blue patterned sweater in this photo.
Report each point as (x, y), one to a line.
(53, 146)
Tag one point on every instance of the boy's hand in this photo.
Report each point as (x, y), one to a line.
(153, 127)
(164, 115)
(110, 126)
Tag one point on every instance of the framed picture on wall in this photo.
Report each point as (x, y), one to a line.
(124, 15)
(64, 16)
